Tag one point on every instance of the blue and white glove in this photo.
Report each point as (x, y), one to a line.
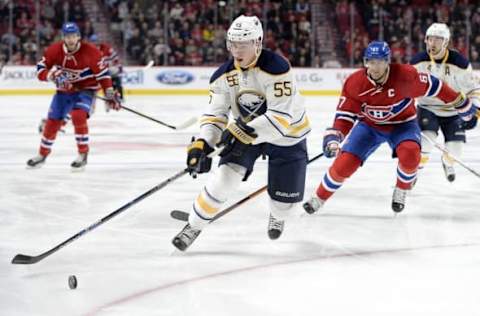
(467, 125)
(331, 142)
(466, 109)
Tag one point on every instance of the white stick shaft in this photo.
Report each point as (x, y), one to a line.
(446, 151)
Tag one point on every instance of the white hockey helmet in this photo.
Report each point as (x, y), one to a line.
(439, 30)
(245, 28)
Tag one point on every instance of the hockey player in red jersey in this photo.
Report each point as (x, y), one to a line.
(377, 105)
(77, 69)
(110, 57)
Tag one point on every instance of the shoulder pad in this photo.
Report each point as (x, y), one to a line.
(224, 68)
(272, 63)
(419, 57)
(354, 80)
(457, 59)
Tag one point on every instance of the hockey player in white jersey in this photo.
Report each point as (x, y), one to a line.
(453, 68)
(256, 90)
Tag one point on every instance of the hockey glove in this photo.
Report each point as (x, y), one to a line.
(466, 125)
(236, 138)
(60, 78)
(197, 157)
(466, 109)
(331, 142)
(113, 99)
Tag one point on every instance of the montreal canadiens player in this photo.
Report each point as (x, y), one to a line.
(256, 88)
(77, 70)
(377, 105)
(454, 69)
(111, 58)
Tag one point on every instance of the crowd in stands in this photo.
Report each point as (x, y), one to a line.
(193, 32)
(26, 50)
(403, 24)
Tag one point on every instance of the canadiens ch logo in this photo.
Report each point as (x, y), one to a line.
(379, 113)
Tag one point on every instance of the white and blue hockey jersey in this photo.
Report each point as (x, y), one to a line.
(265, 95)
(456, 71)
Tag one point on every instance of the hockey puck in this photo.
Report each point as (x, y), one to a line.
(72, 282)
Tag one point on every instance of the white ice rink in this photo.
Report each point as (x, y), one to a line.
(356, 259)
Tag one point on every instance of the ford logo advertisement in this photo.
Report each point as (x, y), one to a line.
(175, 77)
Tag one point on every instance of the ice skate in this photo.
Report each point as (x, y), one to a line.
(80, 162)
(36, 162)
(313, 205)
(448, 169)
(186, 237)
(398, 199)
(275, 227)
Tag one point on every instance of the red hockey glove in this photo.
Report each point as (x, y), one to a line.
(60, 78)
(113, 99)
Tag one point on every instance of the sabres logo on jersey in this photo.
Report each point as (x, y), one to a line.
(251, 104)
(383, 113)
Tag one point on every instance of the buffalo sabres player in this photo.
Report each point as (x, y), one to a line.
(453, 68)
(380, 99)
(256, 90)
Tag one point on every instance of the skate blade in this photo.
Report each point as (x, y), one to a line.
(35, 167)
(77, 170)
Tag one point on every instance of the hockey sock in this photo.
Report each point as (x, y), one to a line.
(408, 153)
(281, 210)
(225, 180)
(48, 138)
(455, 148)
(342, 168)
(79, 120)
(426, 148)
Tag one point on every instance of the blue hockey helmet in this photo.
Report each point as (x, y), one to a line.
(93, 38)
(70, 28)
(377, 50)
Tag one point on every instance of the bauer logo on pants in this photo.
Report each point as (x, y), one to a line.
(287, 194)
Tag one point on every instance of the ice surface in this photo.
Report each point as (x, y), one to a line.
(356, 259)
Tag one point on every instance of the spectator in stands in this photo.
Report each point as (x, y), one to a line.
(332, 61)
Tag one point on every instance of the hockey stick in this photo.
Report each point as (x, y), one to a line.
(147, 66)
(26, 259)
(446, 151)
(184, 125)
(183, 216)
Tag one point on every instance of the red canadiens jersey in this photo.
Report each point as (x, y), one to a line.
(382, 106)
(84, 67)
(110, 56)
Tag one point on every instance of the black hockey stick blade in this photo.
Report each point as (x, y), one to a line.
(179, 215)
(24, 259)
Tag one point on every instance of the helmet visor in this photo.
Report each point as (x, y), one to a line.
(240, 45)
